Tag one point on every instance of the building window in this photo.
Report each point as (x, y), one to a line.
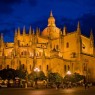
(47, 67)
(68, 67)
(23, 66)
(21, 53)
(30, 67)
(64, 68)
(67, 45)
(73, 55)
(57, 47)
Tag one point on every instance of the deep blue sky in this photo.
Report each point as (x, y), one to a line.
(17, 13)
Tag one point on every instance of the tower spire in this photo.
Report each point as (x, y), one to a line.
(2, 37)
(51, 20)
(18, 31)
(51, 13)
(37, 31)
(78, 28)
(64, 30)
(30, 31)
(24, 30)
(15, 32)
(91, 36)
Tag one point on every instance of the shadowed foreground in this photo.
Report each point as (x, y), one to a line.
(29, 91)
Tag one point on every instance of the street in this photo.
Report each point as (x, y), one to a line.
(29, 91)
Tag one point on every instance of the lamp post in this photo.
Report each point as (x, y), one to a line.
(37, 70)
(69, 78)
(69, 73)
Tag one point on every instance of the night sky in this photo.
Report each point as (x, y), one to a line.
(34, 13)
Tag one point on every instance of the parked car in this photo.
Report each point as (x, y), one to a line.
(3, 85)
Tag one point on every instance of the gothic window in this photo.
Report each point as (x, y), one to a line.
(68, 67)
(73, 55)
(18, 42)
(21, 53)
(23, 66)
(57, 47)
(47, 67)
(67, 45)
(30, 67)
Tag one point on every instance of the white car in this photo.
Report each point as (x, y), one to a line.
(3, 85)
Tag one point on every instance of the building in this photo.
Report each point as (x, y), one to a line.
(50, 50)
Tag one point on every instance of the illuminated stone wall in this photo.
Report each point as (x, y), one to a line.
(50, 50)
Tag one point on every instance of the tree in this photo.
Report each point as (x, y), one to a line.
(54, 78)
(21, 73)
(8, 74)
(37, 76)
(74, 78)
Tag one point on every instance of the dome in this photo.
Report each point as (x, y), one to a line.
(51, 30)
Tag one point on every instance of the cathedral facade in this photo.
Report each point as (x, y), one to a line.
(52, 49)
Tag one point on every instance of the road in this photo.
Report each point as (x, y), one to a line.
(29, 91)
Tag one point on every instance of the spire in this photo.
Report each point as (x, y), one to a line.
(51, 20)
(37, 31)
(60, 32)
(2, 37)
(64, 30)
(24, 30)
(78, 28)
(91, 35)
(30, 31)
(18, 31)
(15, 32)
(51, 15)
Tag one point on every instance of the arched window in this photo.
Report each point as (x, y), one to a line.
(47, 67)
(23, 66)
(67, 45)
(30, 68)
(57, 47)
(68, 67)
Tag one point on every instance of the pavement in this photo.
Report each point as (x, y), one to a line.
(31, 91)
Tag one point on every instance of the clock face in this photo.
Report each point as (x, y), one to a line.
(83, 46)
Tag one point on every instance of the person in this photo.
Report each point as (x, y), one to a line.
(85, 85)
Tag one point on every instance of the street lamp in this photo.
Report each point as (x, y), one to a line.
(69, 73)
(36, 70)
(36, 79)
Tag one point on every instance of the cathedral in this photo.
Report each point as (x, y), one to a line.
(52, 50)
